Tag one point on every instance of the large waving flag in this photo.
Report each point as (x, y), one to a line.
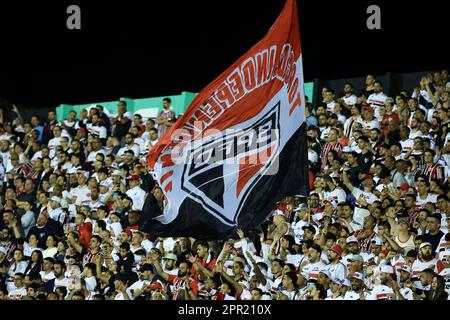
(240, 146)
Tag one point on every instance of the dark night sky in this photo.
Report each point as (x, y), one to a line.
(146, 48)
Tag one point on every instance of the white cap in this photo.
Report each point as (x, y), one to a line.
(405, 268)
(104, 183)
(387, 269)
(351, 239)
(116, 173)
(425, 244)
(278, 213)
(84, 173)
(56, 199)
(377, 241)
(358, 275)
(302, 206)
(305, 275)
(347, 283)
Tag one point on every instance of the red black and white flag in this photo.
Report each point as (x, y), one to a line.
(240, 146)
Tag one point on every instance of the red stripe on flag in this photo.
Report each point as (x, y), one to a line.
(168, 188)
(165, 176)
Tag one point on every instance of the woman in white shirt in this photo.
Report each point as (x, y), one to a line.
(51, 247)
(17, 266)
(32, 245)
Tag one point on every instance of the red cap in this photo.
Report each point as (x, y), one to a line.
(156, 285)
(367, 107)
(134, 177)
(337, 248)
(404, 186)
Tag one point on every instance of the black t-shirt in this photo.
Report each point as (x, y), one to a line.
(434, 239)
(122, 128)
(366, 93)
(365, 160)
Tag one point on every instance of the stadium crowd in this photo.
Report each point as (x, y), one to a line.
(374, 226)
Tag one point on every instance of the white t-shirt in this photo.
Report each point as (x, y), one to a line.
(138, 197)
(381, 292)
(53, 143)
(99, 131)
(83, 195)
(430, 198)
(377, 100)
(369, 197)
(337, 193)
(369, 125)
(313, 269)
(338, 271)
(93, 154)
(120, 296)
(351, 100)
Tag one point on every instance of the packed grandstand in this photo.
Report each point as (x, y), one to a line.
(374, 226)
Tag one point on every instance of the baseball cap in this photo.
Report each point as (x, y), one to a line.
(387, 269)
(84, 173)
(326, 272)
(171, 256)
(104, 183)
(302, 206)
(404, 186)
(56, 199)
(134, 177)
(156, 285)
(346, 283)
(305, 275)
(367, 107)
(390, 100)
(358, 275)
(405, 268)
(333, 116)
(278, 213)
(356, 257)
(351, 239)
(116, 173)
(309, 227)
(377, 241)
(316, 247)
(337, 249)
(425, 244)
(331, 202)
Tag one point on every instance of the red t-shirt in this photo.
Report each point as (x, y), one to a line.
(85, 234)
